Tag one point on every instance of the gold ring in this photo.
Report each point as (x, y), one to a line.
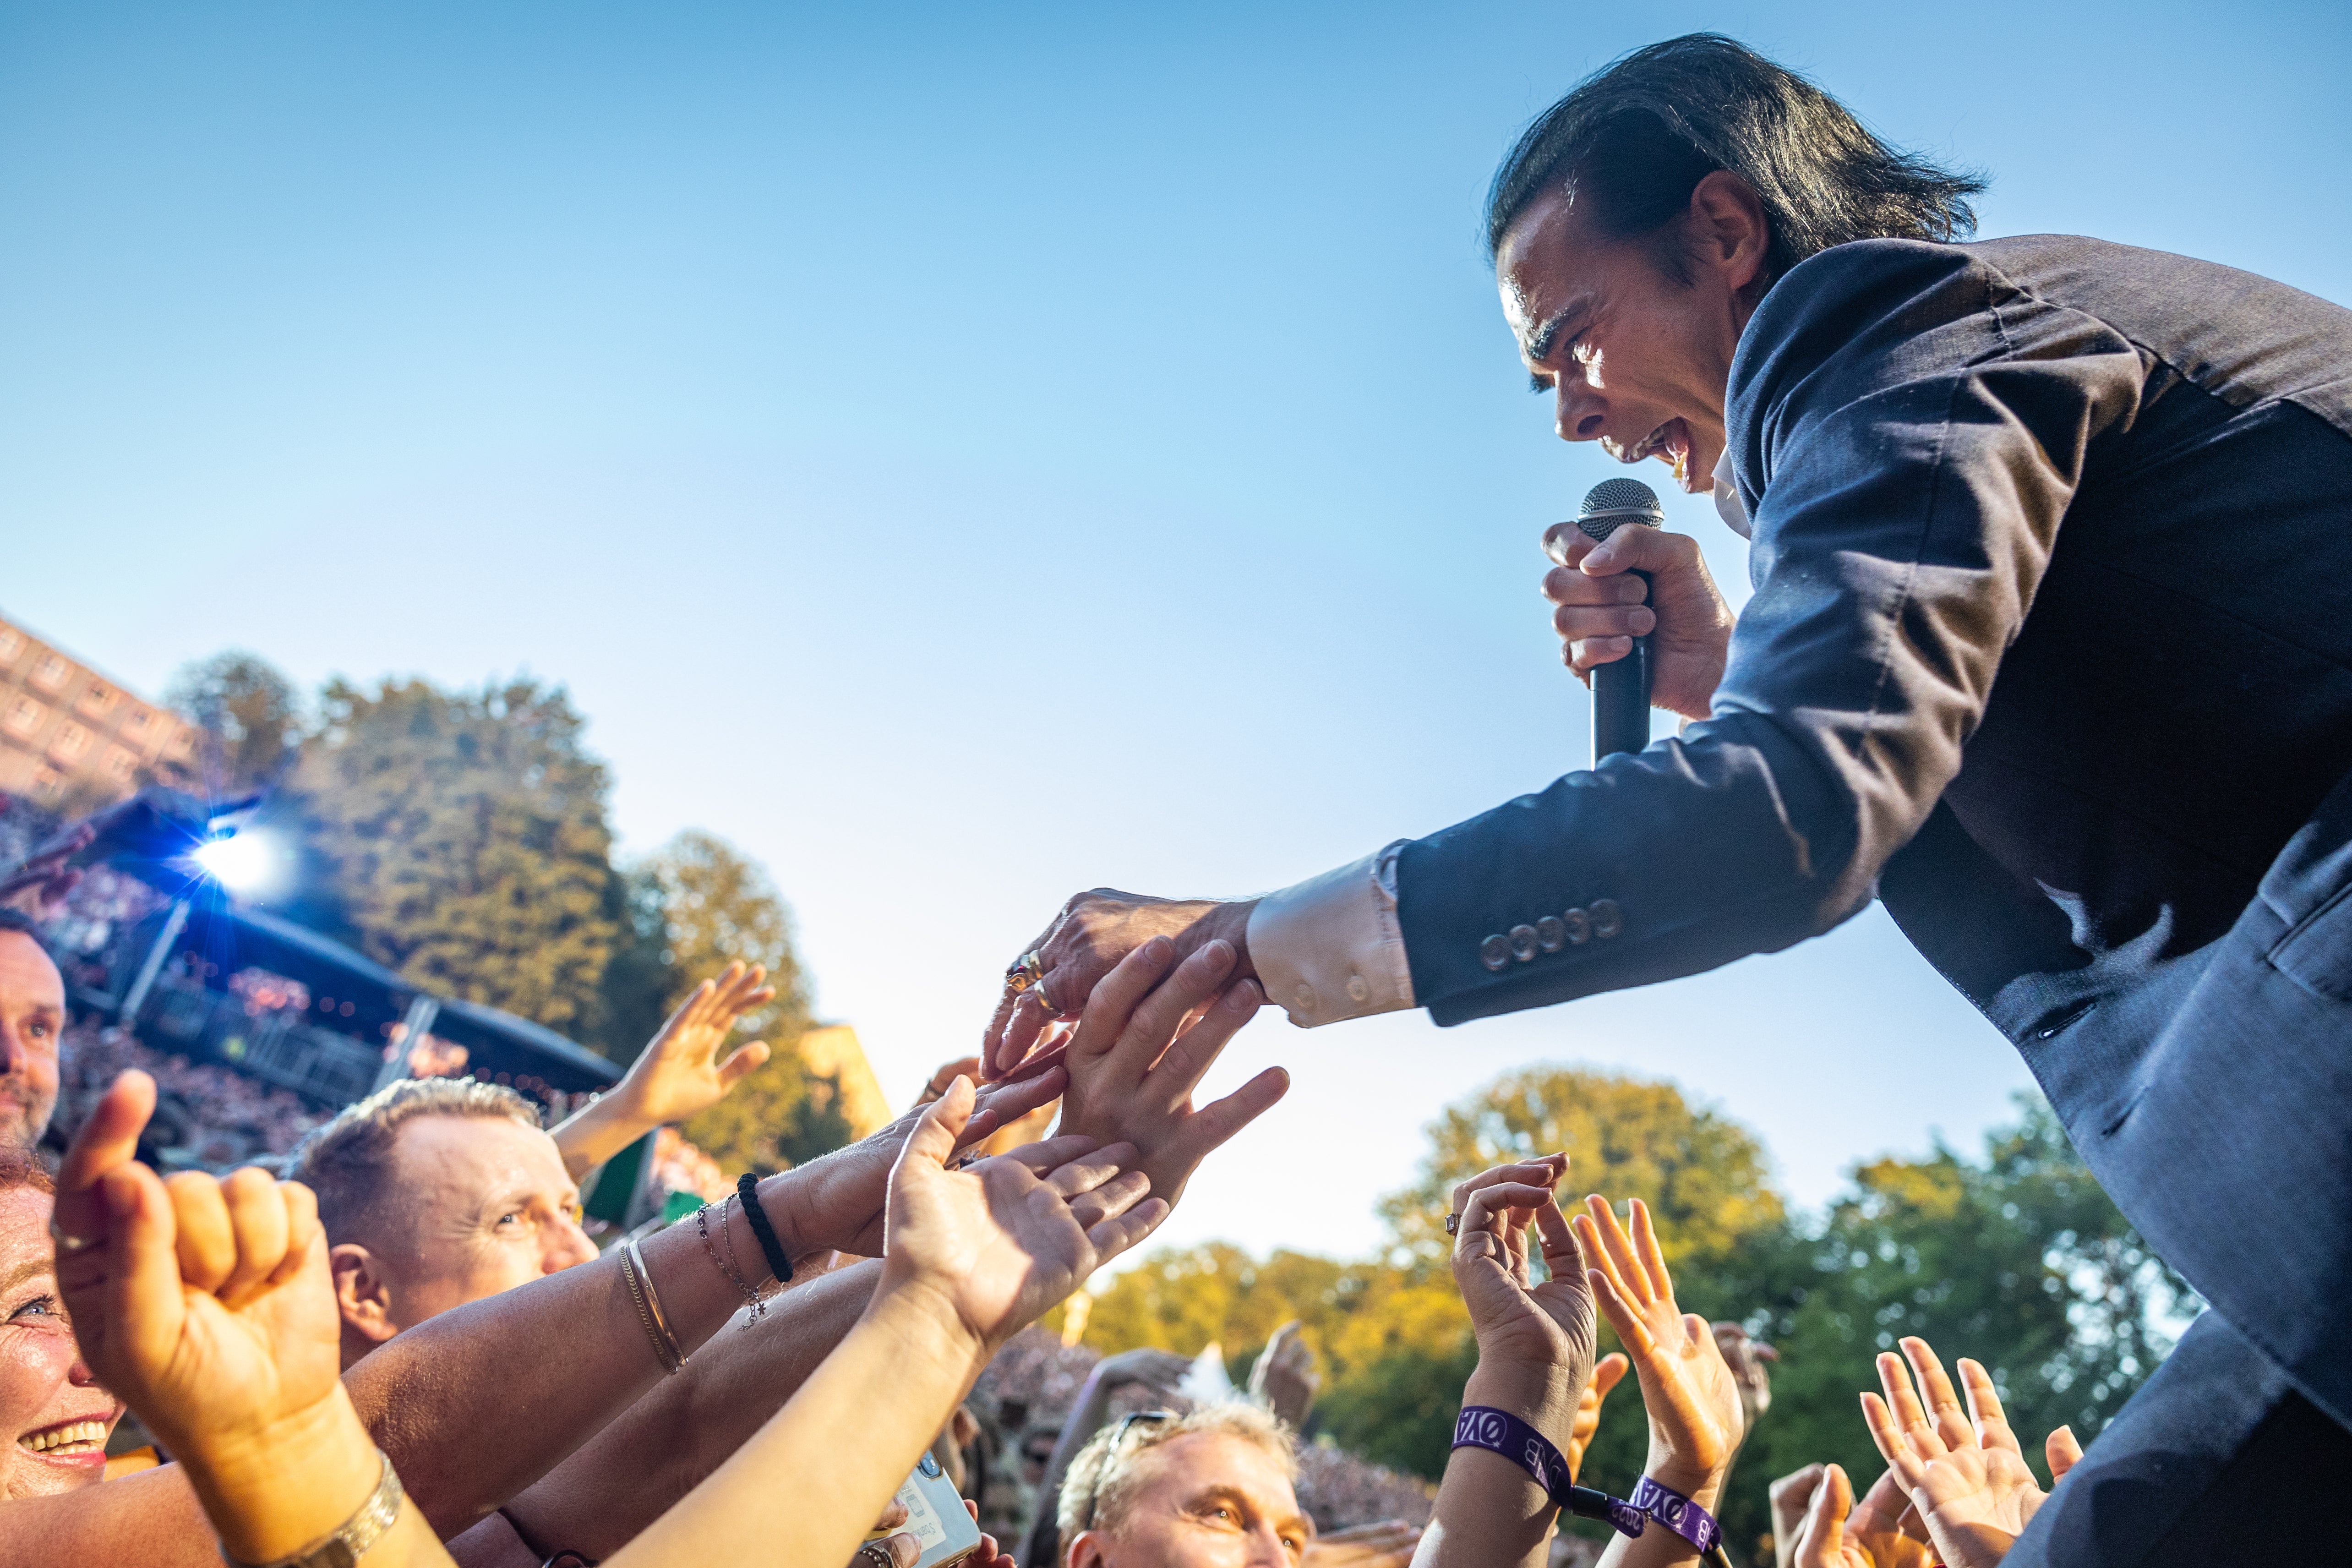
(1026, 971)
(1044, 1003)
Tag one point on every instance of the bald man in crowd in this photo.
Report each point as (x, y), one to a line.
(32, 1017)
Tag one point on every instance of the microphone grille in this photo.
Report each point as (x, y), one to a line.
(1612, 503)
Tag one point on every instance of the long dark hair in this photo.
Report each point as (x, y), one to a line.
(1633, 138)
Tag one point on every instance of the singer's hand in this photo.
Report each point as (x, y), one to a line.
(1086, 941)
(1602, 610)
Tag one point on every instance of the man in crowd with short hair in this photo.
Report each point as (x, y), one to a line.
(1211, 1490)
(435, 1192)
(32, 1017)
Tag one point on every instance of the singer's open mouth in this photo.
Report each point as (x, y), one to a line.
(1670, 442)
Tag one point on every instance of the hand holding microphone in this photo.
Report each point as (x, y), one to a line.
(1637, 582)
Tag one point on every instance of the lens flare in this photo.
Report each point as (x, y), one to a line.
(239, 863)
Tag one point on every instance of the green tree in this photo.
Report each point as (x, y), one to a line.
(718, 906)
(460, 837)
(251, 717)
(1704, 1176)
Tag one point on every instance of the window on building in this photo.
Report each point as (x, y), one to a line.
(49, 672)
(25, 716)
(99, 698)
(71, 741)
(48, 783)
(11, 643)
(120, 764)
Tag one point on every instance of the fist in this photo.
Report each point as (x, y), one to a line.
(1601, 608)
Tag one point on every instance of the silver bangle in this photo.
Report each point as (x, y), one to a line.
(649, 1310)
(347, 1545)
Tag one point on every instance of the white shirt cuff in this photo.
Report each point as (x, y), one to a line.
(1330, 948)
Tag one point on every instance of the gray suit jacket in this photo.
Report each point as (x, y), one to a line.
(2052, 650)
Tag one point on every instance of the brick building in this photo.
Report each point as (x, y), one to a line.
(71, 737)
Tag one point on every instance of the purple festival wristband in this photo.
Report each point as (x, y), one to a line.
(1500, 1432)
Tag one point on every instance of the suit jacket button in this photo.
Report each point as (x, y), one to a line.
(1359, 990)
(1607, 919)
(1551, 933)
(1495, 952)
(1580, 927)
(1523, 943)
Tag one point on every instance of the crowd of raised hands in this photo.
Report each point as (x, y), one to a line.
(205, 1303)
(1957, 1489)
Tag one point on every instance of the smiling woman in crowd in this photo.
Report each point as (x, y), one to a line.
(50, 1402)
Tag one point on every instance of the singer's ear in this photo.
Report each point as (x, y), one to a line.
(1728, 231)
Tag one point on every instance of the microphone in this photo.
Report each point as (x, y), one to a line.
(1621, 691)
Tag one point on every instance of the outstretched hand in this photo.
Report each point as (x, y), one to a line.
(1094, 932)
(998, 1244)
(837, 1202)
(1963, 1468)
(679, 1074)
(1146, 1039)
(1693, 1399)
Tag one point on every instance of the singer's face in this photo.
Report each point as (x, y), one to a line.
(1632, 357)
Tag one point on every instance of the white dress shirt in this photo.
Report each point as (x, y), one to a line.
(1330, 947)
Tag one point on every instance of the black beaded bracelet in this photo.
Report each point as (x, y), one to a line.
(780, 1263)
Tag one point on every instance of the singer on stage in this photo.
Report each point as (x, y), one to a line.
(2051, 651)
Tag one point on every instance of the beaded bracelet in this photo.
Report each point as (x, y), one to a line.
(726, 1265)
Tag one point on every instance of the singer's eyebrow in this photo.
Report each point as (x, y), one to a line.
(1546, 335)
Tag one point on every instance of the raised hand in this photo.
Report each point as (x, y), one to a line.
(1082, 944)
(1749, 1360)
(1834, 1534)
(205, 1306)
(999, 1243)
(1544, 1328)
(837, 1202)
(1607, 1373)
(677, 1074)
(1689, 1392)
(1284, 1378)
(1139, 1051)
(1157, 1371)
(1963, 1469)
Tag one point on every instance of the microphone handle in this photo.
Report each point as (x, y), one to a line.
(1621, 700)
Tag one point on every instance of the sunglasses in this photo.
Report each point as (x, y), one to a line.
(1110, 1451)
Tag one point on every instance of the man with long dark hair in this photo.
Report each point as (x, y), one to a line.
(2050, 650)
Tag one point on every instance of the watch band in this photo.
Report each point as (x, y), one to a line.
(348, 1544)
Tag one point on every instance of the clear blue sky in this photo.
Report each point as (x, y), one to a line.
(966, 454)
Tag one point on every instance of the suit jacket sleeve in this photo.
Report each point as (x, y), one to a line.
(1908, 427)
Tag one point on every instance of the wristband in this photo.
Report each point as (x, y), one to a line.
(1500, 1432)
(1677, 1513)
(780, 1262)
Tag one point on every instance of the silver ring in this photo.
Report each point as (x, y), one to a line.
(1453, 1224)
(72, 1244)
(874, 1551)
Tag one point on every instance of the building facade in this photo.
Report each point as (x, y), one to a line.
(70, 737)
